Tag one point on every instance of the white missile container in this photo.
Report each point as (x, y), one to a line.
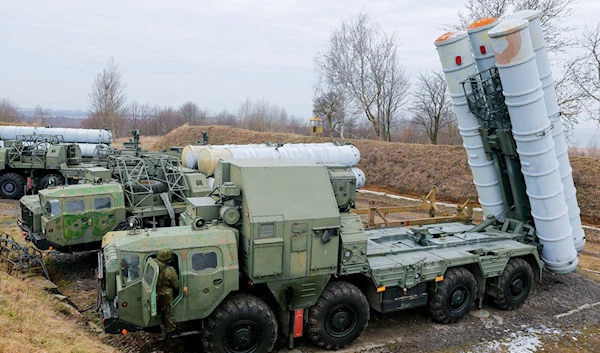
(347, 155)
(532, 133)
(481, 44)
(360, 177)
(69, 134)
(89, 149)
(560, 143)
(189, 155)
(458, 64)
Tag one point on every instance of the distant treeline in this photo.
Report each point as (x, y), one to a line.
(259, 115)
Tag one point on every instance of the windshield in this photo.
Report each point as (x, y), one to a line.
(53, 207)
(130, 268)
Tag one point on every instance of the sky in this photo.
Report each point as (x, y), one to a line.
(215, 53)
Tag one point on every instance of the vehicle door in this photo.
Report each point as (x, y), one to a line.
(149, 305)
(103, 214)
(76, 219)
(205, 279)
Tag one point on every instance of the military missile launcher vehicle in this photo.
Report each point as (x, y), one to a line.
(152, 188)
(32, 162)
(275, 245)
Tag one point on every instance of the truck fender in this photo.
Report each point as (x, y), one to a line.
(298, 293)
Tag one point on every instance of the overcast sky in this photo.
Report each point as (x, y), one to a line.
(215, 53)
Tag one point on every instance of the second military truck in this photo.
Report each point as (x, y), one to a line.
(276, 247)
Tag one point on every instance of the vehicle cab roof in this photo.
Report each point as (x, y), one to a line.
(81, 190)
(175, 238)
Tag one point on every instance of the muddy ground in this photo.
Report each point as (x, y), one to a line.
(533, 327)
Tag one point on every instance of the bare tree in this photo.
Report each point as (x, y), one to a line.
(552, 17)
(107, 99)
(261, 115)
(167, 119)
(330, 106)
(133, 111)
(432, 108)
(361, 61)
(586, 70)
(41, 116)
(192, 114)
(9, 111)
(225, 118)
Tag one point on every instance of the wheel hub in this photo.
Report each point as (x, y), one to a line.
(242, 338)
(8, 188)
(458, 298)
(517, 287)
(340, 320)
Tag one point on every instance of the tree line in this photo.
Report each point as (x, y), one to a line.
(363, 89)
(361, 77)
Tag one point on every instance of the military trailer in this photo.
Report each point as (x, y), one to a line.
(32, 162)
(150, 190)
(275, 246)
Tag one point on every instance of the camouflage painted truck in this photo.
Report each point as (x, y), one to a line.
(32, 162)
(276, 247)
(150, 190)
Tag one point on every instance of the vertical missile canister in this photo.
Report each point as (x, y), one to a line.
(481, 44)
(560, 143)
(531, 129)
(458, 64)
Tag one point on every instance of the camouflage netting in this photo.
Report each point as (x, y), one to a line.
(408, 169)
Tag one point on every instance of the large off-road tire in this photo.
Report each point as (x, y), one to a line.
(12, 186)
(156, 186)
(44, 181)
(454, 296)
(241, 324)
(515, 284)
(339, 317)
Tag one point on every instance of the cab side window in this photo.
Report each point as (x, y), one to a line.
(101, 203)
(53, 207)
(149, 277)
(204, 261)
(130, 268)
(74, 206)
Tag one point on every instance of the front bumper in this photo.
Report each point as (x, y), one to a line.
(39, 240)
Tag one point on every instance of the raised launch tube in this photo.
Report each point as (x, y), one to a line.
(481, 44)
(532, 133)
(458, 64)
(69, 134)
(560, 144)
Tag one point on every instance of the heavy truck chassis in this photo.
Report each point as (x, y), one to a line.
(251, 262)
(33, 162)
(152, 188)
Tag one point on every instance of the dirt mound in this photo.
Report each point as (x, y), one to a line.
(408, 169)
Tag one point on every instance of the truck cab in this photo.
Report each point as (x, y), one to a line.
(72, 218)
(206, 263)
